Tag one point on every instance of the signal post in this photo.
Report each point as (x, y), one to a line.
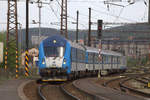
(99, 36)
(27, 40)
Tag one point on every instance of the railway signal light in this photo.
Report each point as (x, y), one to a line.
(99, 28)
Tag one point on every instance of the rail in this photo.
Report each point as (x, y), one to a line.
(133, 90)
(67, 93)
(109, 81)
(42, 97)
(40, 92)
(87, 93)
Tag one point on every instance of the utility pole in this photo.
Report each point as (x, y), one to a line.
(20, 43)
(84, 39)
(149, 12)
(11, 54)
(63, 27)
(27, 40)
(77, 27)
(39, 6)
(89, 33)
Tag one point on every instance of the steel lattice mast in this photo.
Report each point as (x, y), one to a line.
(11, 54)
(63, 29)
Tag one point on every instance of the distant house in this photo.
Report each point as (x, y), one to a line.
(132, 39)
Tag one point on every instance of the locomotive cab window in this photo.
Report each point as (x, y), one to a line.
(54, 51)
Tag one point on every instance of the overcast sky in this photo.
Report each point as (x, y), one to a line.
(131, 13)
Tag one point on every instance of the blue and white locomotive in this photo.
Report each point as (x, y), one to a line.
(61, 59)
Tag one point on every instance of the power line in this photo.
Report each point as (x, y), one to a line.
(113, 15)
(119, 14)
(54, 12)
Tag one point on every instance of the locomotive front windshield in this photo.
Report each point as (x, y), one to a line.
(54, 51)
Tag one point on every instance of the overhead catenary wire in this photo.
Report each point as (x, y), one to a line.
(88, 1)
(98, 11)
(117, 17)
(54, 12)
(70, 16)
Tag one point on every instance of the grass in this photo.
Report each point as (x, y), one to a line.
(143, 61)
(2, 39)
(11, 52)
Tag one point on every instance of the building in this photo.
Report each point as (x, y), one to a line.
(133, 39)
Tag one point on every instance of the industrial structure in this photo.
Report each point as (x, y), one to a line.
(11, 54)
(132, 39)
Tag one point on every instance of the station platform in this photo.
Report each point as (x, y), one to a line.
(103, 93)
(9, 89)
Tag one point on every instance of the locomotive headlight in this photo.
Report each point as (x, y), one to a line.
(64, 61)
(54, 41)
(43, 62)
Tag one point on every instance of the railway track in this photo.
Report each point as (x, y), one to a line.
(41, 95)
(69, 90)
(132, 90)
(68, 93)
(114, 83)
(60, 90)
(99, 92)
(123, 84)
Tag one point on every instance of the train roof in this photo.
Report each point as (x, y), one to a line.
(105, 52)
(62, 41)
(76, 45)
(55, 40)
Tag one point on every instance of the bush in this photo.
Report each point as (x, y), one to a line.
(142, 61)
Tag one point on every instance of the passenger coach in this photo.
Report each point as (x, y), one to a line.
(61, 59)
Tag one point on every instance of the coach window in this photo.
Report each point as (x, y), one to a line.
(90, 57)
(61, 53)
(79, 54)
(109, 59)
(96, 59)
(104, 59)
(73, 54)
(83, 55)
(119, 59)
(114, 59)
(89, 60)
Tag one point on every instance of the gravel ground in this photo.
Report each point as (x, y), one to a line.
(89, 85)
(53, 92)
(30, 90)
(102, 80)
(115, 86)
(128, 84)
